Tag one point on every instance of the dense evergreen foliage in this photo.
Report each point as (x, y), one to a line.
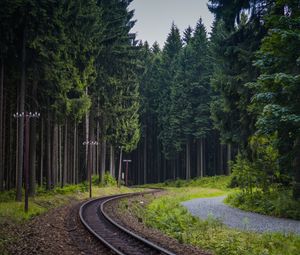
(75, 62)
(181, 111)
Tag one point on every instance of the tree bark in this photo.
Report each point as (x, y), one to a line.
(87, 124)
(49, 181)
(228, 158)
(10, 177)
(103, 159)
(1, 126)
(74, 153)
(60, 154)
(21, 125)
(145, 157)
(188, 160)
(296, 166)
(98, 147)
(201, 158)
(4, 136)
(221, 159)
(112, 161)
(42, 152)
(198, 158)
(32, 168)
(65, 168)
(120, 168)
(55, 155)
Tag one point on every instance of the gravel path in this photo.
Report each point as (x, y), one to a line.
(236, 218)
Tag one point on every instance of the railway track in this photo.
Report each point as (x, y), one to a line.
(119, 239)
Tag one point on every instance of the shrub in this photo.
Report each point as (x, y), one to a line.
(278, 203)
(109, 180)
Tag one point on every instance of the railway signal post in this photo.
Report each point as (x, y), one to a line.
(127, 161)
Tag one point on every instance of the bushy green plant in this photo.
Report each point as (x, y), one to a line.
(276, 202)
(218, 182)
(109, 180)
(7, 196)
(262, 171)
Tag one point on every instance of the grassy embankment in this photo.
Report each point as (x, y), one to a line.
(166, 214)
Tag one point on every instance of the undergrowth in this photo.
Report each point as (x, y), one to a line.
(279, 203)
(13, 211)
(218, 182)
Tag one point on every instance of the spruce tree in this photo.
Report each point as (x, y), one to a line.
(277, 90)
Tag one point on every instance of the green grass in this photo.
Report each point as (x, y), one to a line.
(279, 203)
(218, 182)
(167, 215)
(13, 211)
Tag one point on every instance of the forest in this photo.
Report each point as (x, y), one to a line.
(204, 104)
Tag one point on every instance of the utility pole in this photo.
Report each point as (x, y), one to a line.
(126, 173)
(26, 116)
(89, 150)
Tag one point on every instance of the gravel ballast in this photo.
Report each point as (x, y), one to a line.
(236, 218)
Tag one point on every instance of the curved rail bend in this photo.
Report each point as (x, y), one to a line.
(119, 239)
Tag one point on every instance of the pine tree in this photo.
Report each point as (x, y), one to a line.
(170, 53)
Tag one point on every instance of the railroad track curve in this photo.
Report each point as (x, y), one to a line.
(117, 238)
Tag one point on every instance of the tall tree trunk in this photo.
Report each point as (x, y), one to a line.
(77, 159)
(165, 168)
(65, 168)
(21, 125)
(103, 159)
(145, 157)
(120, 168)
(74, 152)
(112, 161)
(198, 151)
(201, 158)
(17, 152)
(10, 177)
(60, 154)
(42, 152)
(188, 160)
(2, 155)
(4, 136)
(92, 138)
(221, 159)
(87, 137)
(228, 158)
(98, 147)
(296, 166)
(49, 181)
(55, 154)
(32, 167)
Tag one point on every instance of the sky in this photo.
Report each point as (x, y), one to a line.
(155, 17)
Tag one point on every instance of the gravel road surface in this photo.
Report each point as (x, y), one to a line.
(236, 218)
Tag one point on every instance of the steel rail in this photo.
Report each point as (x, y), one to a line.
(101, 204)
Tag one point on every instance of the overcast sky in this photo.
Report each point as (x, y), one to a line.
(155, 17)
